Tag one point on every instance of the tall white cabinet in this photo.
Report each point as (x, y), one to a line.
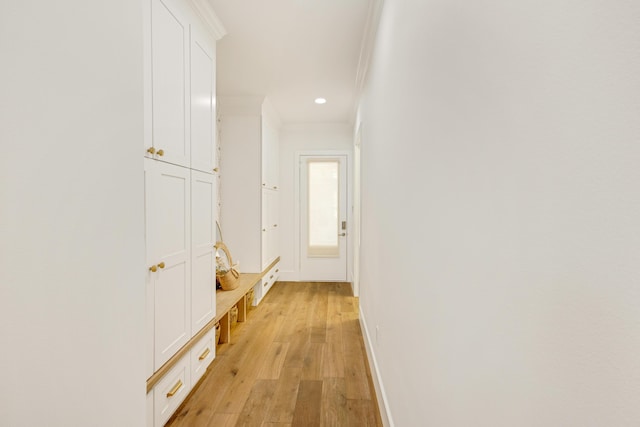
(249, 185)
(180, 197)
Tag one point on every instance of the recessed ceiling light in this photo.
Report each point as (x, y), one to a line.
(320, 101)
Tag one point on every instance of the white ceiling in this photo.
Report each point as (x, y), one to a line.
(293, 51)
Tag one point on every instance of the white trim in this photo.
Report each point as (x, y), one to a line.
(204, 10)
(366, 47)
(383, 403)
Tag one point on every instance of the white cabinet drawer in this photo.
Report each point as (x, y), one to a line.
(150, 409)
(267, 282)
(202, 354)
(171, 391)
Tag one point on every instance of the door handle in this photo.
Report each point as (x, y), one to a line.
(342, 234)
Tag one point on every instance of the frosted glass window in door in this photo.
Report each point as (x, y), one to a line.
(323, 208)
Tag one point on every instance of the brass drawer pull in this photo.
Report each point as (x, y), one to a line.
(161, 265)
(160, 153)
(153, 268)
(175, 389)
(277, 270)
(204, 354)
(271, 277)
(151, 150)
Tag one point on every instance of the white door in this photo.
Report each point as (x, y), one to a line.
(323, 218)
(170, 83)
(203, 93)
(203, 237)
(168, 222)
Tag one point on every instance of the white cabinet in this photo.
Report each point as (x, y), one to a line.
(203, 95)
(168, 223)
(202, 354)
(261, 289)
(171, 391)
(270, 203)
(182, 88)
(270, 155)
(203, 237)
(249, 181)
(169, 82)
(180, 196)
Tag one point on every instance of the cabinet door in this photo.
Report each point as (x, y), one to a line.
(203, 219)
(269, 226)
(203, 95)
(168, 219)
(170, 82)
(270, 147)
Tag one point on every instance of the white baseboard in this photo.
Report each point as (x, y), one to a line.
(383, 404)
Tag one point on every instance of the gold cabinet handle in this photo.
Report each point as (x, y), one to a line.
(175, 389)
(161, 265)
(271, 277)
(264, 229)
(216, 169)
(151, 150)
(275, 225)
(160, 153)
(277, 270)
(204, 354)
(153, 268)
(275, 187)
(265, 285)
(264, 184)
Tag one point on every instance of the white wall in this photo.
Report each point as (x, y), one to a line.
(501, 212)
(71, 214)
(293, 139)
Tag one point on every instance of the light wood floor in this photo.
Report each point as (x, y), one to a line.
(299, 360)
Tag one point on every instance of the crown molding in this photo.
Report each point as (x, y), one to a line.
(366, 47)
(209, 17)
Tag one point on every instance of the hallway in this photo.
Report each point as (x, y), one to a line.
(299, 360)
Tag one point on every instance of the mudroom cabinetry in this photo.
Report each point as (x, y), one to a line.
(180, 198)
(249, 140)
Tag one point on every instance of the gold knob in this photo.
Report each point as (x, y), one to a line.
(160, 153)
(275, 225)
(216, 169)
(161, 265)
(264, 229)
(275, 187)
(153, 268)
(151, 150)
(264, 185)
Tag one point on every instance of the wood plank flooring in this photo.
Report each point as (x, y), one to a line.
(298, 361)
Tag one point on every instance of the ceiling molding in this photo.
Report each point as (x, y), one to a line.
(209, 17)
(366, 47)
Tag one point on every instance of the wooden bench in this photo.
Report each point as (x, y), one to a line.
(225, 300)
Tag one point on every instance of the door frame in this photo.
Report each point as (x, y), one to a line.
(349, 208)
